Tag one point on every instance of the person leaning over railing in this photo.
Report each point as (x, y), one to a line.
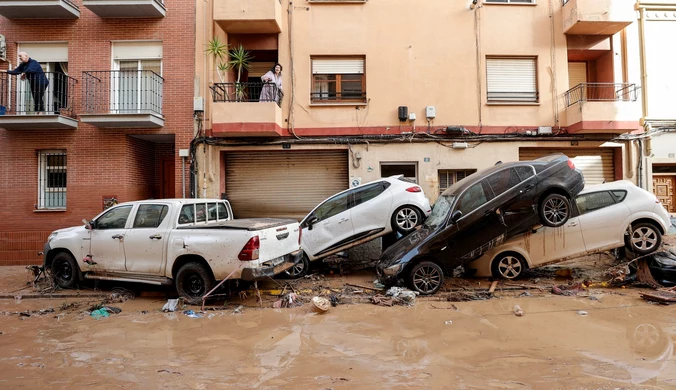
(271, 79)
(30, 70)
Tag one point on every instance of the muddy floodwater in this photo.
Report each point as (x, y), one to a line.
(610, 342)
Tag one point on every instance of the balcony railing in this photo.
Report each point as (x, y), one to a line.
(26, 97)
(246, 92)
(122, 92)
(601, 92)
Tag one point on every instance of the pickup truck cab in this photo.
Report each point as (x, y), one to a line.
(191, 243)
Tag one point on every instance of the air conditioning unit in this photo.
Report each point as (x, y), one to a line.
(3, 48)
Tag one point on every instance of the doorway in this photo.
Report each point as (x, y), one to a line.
(168, 180)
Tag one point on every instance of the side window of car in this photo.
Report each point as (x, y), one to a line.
(114, 219)
(222, 211)
(525, 172)
(587, 203)
(619, 195)
(200, 212)
(472, 199)
(187, 214)
(502, 181)
(366, 193)
(333, 206)
(150, 215)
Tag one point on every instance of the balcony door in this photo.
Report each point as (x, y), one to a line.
(137, 86)
(53, 59)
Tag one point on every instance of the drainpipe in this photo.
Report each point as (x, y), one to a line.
(642, 55)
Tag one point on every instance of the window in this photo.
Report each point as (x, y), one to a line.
(513, 1)
(619, 195)
(52, 175)
(150, 215)
(594, 201)
(53, 59)
(338, 80)
(472, 199)
(368, 192)
(525, 172)
(504, 180)
(136, 78)
(113, 219)
(511, 80)
(448, 177)
(331, 207)
(409, 170)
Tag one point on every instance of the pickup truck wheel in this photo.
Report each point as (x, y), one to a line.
(194, 280)
(65, 270)
(298, 270)
(645, 238)
(405, 219)
(554, 210)
(426, 278)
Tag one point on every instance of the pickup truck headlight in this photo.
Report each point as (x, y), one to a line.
(392, 270)
(51, 236)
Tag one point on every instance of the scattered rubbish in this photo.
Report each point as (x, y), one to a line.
(334, 300)
(17, 297)
(449, 322)
(405, 295)
(570, 290)
(38, 365)
(59, 316)
(382, 301)
(119, 295)
(468, 295)
(2, 332)
(238, 310)
(378, 285)
(143, 312)
(170, 372)
(288, 300)
(518, 311)
(593, 298)
(321, 305)
(582, 313)
(210, 316)
(24, 314)
(525, 294)
(564, 272)
(170, 306)
(493, 286)
(99, 313)
(663, 296)
(192, 314)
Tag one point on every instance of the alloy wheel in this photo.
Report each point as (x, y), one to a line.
(509, 267)
(296, 270)
(407, 218)
(644, 238)
(555, 210)
(426, 279)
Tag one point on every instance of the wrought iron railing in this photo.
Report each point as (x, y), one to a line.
(122, 92)
(29, 95)
(512, 97)
(246, 92)
(601, 92)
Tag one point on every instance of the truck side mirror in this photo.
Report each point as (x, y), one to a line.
(457, 214)
(89, 225)
(311, 221)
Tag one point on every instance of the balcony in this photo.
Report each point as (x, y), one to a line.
(597, 17)
(246, 110)
(602, 108)
(54, 109)
(122, 99)
(39, 9)
(248, 16)
(126, 8)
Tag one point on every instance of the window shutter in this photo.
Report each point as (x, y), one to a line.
(511, 80)
(338, 66)
(258, 69)
(137, 50)
(577, 73)
(46, 52)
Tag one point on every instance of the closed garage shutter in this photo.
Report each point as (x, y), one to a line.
(597, 164)
(283, 184)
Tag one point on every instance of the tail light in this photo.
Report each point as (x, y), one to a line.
(570, 164)
(250, 250)
(414, 189)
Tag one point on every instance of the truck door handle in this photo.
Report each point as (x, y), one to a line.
(282, 236)
(155, 237)
(527, 188)
(118, 237)
(343, 220)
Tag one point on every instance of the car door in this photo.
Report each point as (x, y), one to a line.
(370, 209)
(331, 227)
(145, 243)
(548, 244)
(600, 216)
(513, 190)
(106, 239)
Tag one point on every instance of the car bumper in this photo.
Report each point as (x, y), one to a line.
(387, 278)
(259, 273)
(45, 253)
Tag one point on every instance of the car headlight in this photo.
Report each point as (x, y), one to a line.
(51, 236)
(392, 270)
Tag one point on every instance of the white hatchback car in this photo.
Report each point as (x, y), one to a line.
(359, 215)
(606, 216)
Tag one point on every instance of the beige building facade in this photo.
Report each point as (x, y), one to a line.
(433, 91)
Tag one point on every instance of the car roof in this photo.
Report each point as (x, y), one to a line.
(613, 185)
(174, 201)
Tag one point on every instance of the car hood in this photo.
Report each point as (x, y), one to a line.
(407, 248)
(69, 229)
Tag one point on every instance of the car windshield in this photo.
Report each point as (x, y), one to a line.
(440, 211)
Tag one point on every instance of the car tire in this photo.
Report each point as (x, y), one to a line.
(426, 278)
(508, 266)
(298, 270)
(193, 280)
(405, 219)
(65, 271)
(644, 238)
(554, 210)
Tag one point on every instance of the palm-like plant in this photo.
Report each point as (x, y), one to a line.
(240, 59)
(220, 51)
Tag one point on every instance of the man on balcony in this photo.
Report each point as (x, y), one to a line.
(30, 70)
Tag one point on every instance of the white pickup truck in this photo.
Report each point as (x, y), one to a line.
(192, 243)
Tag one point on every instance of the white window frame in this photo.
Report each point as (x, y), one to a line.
(43, 178)
(338, 67)
(133, 51)
(518, 85)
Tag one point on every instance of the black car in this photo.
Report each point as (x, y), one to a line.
(663, 267)
(478, 213)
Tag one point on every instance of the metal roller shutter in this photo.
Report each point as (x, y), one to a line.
(597, 164)
(337, 66)
(577, 74)
(258, 69)
(283, 184)
(511, 79)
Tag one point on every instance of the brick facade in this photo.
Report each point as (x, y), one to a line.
(100, 162)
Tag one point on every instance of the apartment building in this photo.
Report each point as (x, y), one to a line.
(433, 90)
(116, 112)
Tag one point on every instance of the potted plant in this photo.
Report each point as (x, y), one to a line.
(237, 59)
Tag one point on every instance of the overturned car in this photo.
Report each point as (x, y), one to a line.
(479, 213)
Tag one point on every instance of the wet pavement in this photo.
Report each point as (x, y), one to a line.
(611, 341)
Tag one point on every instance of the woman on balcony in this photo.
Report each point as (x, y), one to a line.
(272, 89)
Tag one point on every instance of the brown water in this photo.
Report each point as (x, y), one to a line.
(622, 342)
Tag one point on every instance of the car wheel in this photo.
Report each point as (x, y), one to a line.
(554, 210)
(645, 238)
(65, 270)
(426, 278)
(298, 270)
(194, 280)
(405, 219)
(508, 266)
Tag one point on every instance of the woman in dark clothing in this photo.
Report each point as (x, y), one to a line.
(32, 71)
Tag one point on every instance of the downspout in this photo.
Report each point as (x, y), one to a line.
(642, 55)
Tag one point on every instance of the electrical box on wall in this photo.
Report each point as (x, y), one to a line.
(184, 153)
(430, 112)
(198, 104)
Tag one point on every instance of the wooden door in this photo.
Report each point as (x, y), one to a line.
(663, 186)
(167, 189)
